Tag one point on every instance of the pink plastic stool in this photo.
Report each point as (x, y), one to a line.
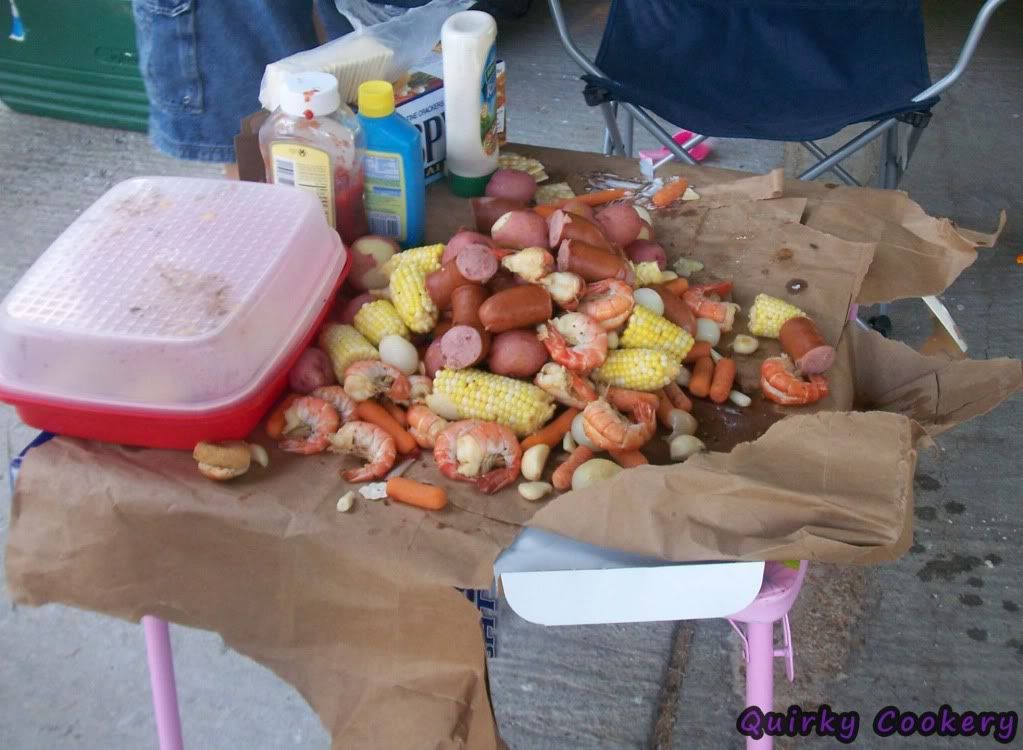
(777, 595)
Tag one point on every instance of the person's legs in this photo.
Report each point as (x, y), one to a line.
(203, 60)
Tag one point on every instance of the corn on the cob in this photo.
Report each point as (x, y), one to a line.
(408, 287)
(768, 314)
(648, 330)
(345, 345)
(647, 273)
(474, 394)
(637, 369)
(378, 319)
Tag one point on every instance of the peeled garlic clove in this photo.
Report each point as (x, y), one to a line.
(683, 376)
(686, 267)
(259, 454)
(612, 339)
(593, 471)
(739, 399)
(346, 501)
(579, 434)
(649, 299)
(568, 442)
(707, 330)
(743, 344)
(399, 352)
(534, 491)
(533, 461)
(684, 446)
(682, 423)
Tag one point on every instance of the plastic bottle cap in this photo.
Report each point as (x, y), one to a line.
(313, 92)
(376, 99)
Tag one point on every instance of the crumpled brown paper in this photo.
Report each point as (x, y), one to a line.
(356, 609)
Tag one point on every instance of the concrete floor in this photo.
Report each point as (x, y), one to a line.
(942, 625)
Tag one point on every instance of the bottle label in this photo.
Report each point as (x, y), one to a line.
(305, 167)
(488, 103)
(385, 195)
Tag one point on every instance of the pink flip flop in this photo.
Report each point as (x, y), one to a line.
(699, 152)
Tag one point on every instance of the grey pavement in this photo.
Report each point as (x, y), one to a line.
(942, 625)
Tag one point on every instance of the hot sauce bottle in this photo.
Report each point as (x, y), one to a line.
(314, 142)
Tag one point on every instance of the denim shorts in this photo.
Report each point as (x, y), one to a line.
(203, 60)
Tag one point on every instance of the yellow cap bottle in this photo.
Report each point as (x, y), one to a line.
(376, 99)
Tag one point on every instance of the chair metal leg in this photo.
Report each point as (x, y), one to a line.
(891, 170)
(760, 675)
(612, 137)
(630, 126)
(161, 681)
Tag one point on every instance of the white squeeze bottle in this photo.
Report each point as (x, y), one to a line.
(470, 100)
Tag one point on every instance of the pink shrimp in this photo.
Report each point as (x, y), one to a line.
(335, 396)
(314, 420)
(567, 387)
(420, 387)
(368, 442)
(424, 425)
(369, 378)
(608, 428)
(486, 453)
(574, 340)
(782, 384)
(609, 302)
(722, 313)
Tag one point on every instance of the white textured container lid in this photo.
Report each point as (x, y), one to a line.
(176, 294)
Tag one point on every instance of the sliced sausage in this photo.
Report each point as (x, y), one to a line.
(517, 307)
(477, 264)
(802, 340)
(462, 239)
(463, 346)
(675, 310)
(565, 226)
(433, 359)
(592, 263)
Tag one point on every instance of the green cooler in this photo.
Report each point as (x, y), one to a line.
(72, 59)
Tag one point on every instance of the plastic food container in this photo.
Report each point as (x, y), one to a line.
(169, 312)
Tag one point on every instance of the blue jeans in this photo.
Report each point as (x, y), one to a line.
(202, 61)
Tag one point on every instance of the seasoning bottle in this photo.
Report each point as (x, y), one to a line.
(395, 186)
(313, 141)
(470, 100)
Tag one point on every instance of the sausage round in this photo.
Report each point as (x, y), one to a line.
(565, 226)
(433, 359)
(517, 354)
(802, 340)
(517, 307)
(461, 240)
(675, 310)
(592, 263)
(463, 346)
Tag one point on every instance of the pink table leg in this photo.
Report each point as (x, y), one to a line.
(161, 679)
(760, 675)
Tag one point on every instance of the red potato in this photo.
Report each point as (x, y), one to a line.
(517, 353)
(513, 184)
(434, 358)
(621, 223)
(461, 240)
(565, 226)
(579, 208)
(368, 254)
(352, 306)
(312, 370)
(488, 210)
(645, 251)
(504, 279)
(520, 229)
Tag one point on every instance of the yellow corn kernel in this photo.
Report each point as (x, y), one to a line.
(648, 330)
(637, 369)
(475, 394)
(378, 319)
(345, 345)
(768, 314)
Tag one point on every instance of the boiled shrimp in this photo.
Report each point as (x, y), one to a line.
(369, 378)
(310, 421)
(368, 442)
(782, 384)
(486, 453)
(608, 428)
(424, 425)
(420, 387)
(722, 313)
(335, 396)
(574, 340)
(567, 387)
(609, 302)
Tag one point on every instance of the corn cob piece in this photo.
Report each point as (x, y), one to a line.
(345, 345)
(648, 330)
(637, 369)
(647, 273)
(408, 287)
(378, 319)
(768, 314)
(474, 394)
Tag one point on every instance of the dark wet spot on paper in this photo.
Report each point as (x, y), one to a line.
(795, 286)
(971, 600)
(926, 482)
(977, 634)
(954, 508)
(1009, 605)
(688, 212)
(993, 559)
(925, 512)
(831, 185)
(442, 525)
(916, 549)
(764, 272)
(814, 246)
(784, 254)
(947, 568)
(977, 583)
(1016, 645)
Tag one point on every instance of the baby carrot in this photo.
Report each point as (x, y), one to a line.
(724, 377)
(553, 433)
(670, 192)
(699, 384)
(700, 350)
(628, 459)
(397, 412)
(678, 399)
(677, 286)
(415, 493)
(545, 210)
(600, 197)
(275, 422)
(562, 477)
(371, 411)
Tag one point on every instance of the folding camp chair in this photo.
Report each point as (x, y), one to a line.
(775, 70)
